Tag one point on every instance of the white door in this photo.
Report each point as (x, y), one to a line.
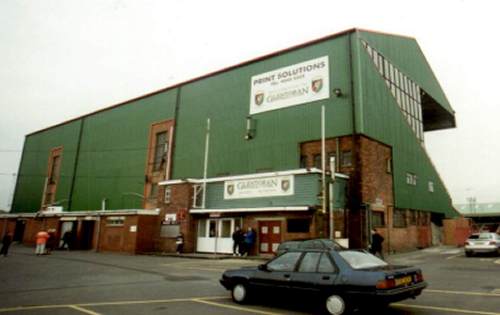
(215, 235)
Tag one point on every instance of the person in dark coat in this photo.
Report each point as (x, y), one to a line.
(6, 241)
(66, 240)
(237, 242)
(51, 242)
(179, 241)
(376, 247)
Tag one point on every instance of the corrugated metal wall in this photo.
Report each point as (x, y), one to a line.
(225, 98)
(114, 142)
(383, 120)
(33, 170)
(111, 162)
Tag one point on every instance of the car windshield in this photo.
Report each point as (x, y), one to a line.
(474, 237)
(361, 260)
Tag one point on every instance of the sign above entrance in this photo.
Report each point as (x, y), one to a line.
(259, 187)
(293, 85)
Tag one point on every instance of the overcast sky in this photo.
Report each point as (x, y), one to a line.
(62, 59)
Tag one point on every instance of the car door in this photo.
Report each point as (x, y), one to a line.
(276, 274)
(316, 272)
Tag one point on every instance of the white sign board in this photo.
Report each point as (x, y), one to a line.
(293, 85)
(54, 209)
(133, 228)
(171, 217)
(259, 187)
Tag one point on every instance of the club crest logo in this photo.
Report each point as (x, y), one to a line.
(285, 185)
(259, 98)
(317, 85)
(230, 189)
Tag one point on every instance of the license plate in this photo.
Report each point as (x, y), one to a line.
(403, 281)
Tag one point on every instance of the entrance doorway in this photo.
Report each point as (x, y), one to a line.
(19, 231)
(269, 236)
(69, 227)
(215, 235)
(87, 235)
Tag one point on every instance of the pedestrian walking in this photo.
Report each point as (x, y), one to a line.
(66, 240)
(376, 246)
(6, 241)
(249, 240)
(51, 242)
(237, 241)
(41, 242)
(179, 241)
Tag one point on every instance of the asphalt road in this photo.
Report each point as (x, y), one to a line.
(89, 283)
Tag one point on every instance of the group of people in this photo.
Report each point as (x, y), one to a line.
(243, 241)
(47, 242)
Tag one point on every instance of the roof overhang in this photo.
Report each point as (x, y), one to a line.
(82, 213)
(435, 116)
(246, 210)
(300, 171)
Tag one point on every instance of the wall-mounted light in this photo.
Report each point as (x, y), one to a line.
(250, 129)
(337, 92)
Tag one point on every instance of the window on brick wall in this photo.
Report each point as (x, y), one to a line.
(317, 160)
(303, 161)
(298, 225)
(167, 198)
(161, 149)
(399, 218)
(422, 218)
(346, 158)
(412, 217)
(378, 219)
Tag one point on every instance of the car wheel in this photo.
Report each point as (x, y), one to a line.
(468, 254)
(335, 305)
(240, 293)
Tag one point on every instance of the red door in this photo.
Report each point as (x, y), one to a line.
(269, 236)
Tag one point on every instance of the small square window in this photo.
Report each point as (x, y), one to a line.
(303, 161)
(388, 165)
(168, 195)
(317, 160)
(411, 179)
(399, 218)
(378, 219)
(431, 186)
(346, 158)
(298, 225)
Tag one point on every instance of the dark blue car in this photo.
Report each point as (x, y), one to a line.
(342, 280)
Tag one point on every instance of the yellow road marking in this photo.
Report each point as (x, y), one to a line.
(462, 292)
(205, 269)
(444, 309)
(234, 307)
(454, 256)
(153, 301)
(36, 307)
(83, 310)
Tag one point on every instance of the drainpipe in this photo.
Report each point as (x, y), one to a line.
(98, 233)
(75, 165)
(205, 164)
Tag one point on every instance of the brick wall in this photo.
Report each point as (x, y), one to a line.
(118, 238)
(456, 231)
(181, 201)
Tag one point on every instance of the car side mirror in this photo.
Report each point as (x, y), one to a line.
(262, 267)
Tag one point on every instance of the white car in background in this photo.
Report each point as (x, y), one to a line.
(484, 242)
